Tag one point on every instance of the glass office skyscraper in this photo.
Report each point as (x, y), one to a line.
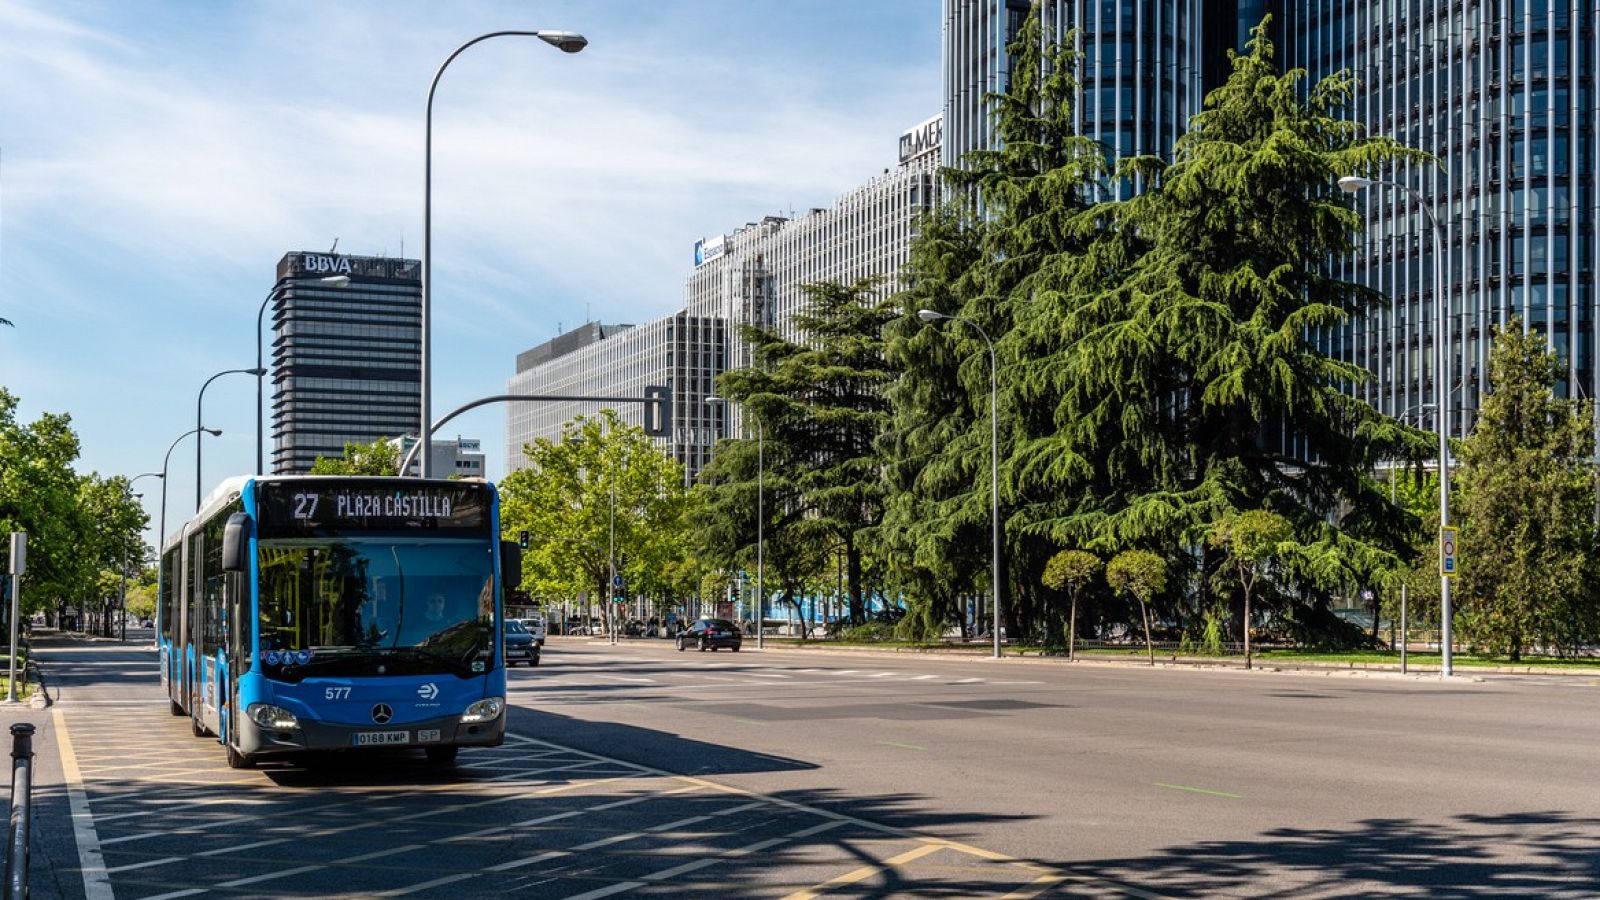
(1141, 75)
(1501, 91)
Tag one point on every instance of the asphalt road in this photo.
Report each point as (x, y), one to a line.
(635, 770)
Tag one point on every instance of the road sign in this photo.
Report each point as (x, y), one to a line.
(1447, 552)
(19, 551)
(616, 581)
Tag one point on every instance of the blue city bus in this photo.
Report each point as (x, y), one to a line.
(307, 613)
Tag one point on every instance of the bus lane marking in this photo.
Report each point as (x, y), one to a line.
(96, 881)
(360, 826)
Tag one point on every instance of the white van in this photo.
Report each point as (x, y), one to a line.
(535, 626)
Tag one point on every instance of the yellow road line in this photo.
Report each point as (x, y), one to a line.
(865, 872)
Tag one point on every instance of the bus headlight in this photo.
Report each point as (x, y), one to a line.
(272, 718)
(484, 710)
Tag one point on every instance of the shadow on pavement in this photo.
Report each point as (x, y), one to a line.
(1467, 857)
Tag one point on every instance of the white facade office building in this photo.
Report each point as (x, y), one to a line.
(681, 351)
(751, 276)
(459, 456)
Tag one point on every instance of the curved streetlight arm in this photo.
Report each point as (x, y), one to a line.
(331, 281)
(198, 400)
(928, 315)
(411, 455)
(567, 42)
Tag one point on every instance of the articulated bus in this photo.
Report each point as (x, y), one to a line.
(307, 613)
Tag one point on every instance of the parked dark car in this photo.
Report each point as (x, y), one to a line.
(520, 645)
(711, 634)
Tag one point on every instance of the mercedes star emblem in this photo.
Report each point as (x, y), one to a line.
(382, 713)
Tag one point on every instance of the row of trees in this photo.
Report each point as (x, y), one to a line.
(1177, 442)
(1178, 446)
(84, 531)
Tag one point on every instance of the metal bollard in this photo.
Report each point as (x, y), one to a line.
(21, 802)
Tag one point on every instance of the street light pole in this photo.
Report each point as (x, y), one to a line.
(1441, 387)
(928, 315)
(125, 561)
(200, 399)
(261, 370)
(761, 527)
(161, 528)
(565, 41)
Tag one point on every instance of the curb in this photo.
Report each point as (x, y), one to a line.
(1350, 669)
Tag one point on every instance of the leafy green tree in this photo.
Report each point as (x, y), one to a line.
(1254, 540)
(39, 495)
(1181, 357)
(988, 267)
(723, 516)
(565, 498)
(110, 524)
(1141, 575)
(820, 402)
(381, 457)
(1069, 571)
(1527, 498)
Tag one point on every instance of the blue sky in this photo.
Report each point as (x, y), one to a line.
(156, 159)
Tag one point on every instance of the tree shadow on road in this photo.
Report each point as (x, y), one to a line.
(1549, 854)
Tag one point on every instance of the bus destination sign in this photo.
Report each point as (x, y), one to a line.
(299, 507)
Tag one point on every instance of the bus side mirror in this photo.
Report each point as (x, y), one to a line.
(510, 566)
(236, 544)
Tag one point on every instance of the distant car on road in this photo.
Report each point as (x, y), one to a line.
(520, 646)
(711, 634)
(536, 627)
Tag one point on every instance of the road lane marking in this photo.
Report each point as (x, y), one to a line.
(841, 819)
(905, 746)
(1195, 790)
(1035, 888)
(96, 882)
(145, 865)
(607, 891)
(865, 872)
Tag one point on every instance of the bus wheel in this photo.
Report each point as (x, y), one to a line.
(237, 760)
(442, 755)
(176, 709)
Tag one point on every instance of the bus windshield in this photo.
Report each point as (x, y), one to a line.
(360, 605)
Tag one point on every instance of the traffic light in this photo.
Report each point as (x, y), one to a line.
(522, 539)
